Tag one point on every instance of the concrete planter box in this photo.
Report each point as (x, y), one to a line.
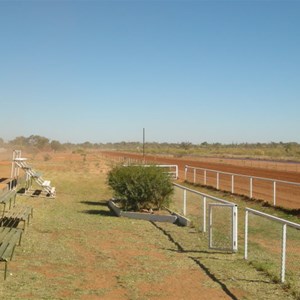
(172, 218)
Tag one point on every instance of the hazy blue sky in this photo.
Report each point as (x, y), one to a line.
(101, 71)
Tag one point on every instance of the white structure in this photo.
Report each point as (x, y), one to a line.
(217, 215)
(284, 248)
(20, 162)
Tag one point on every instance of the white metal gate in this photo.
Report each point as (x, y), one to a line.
(223, 227)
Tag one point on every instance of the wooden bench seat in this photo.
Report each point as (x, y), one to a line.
(5, 181)
(8, 197)
(9, 238)
(18, 214)
(7, 184)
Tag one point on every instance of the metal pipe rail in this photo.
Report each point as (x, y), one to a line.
(284, 223)
(173, 173)
(233, 175)
(203, 194)
(207, 207)
(243, 175)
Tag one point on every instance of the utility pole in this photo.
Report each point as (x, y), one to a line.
(144, 145)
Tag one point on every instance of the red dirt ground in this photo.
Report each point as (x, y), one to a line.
(179, 284)
(287, 196)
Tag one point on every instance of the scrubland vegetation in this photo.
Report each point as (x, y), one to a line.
(138, 187)
(278, 151)
(78, 249)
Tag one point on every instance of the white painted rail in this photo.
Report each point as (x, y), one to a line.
(233, 177)
(214, 201)
(284, 223)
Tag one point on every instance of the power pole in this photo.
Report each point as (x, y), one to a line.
(144, 145)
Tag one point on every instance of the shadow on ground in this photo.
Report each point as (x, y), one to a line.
(100, 212)
(105, 213)
(95, 203)
(197, 261)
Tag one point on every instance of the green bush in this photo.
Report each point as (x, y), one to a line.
(139, 187)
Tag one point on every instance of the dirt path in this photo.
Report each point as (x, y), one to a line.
(287, 196)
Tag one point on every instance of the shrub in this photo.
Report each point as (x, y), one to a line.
(47, 157)
(139, 187)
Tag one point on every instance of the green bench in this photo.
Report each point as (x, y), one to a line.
(14, 216)
(9, 239)
(7, 197)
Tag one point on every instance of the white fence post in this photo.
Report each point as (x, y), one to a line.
(210, 227)
(274, 193)
(283, 253)
(284, 223)
(185, 173)
(246, 235)
(207, 216)
(235, 228)
(176, 170)
(233, 184)
(251, 187)
(204, 214)
(184, 202)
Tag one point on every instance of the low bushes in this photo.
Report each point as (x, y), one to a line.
(139, 187)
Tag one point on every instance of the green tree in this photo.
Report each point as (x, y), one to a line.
(37, 141)
(56, 146)
(186, 145)
(19, 141)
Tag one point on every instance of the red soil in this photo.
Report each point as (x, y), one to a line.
(287, 195)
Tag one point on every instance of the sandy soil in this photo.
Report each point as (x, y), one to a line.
(287, 195)
(86, 270)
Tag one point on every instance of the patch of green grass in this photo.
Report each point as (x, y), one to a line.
(264, 249)
(75, 248)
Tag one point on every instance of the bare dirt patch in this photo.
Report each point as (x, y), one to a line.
(75, 248)
(287, 195)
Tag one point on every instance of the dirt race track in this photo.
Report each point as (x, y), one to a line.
(287, 195)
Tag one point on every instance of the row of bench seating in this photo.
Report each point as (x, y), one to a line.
(10, 231)
(7, 198)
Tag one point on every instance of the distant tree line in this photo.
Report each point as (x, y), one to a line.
(277, 150)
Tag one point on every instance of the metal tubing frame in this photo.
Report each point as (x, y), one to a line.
(204, 214)
(165, 166)
(283, 253)
(184, 202)
(275, 181)
(284, 223)
(234, 222)
(204, 198)
(203, 194)
(246, 235)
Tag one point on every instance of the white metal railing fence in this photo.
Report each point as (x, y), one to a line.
(172, 170)
(273, 244)
(212, 215)
(244, 184)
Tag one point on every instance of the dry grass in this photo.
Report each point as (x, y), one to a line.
(76, 249)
